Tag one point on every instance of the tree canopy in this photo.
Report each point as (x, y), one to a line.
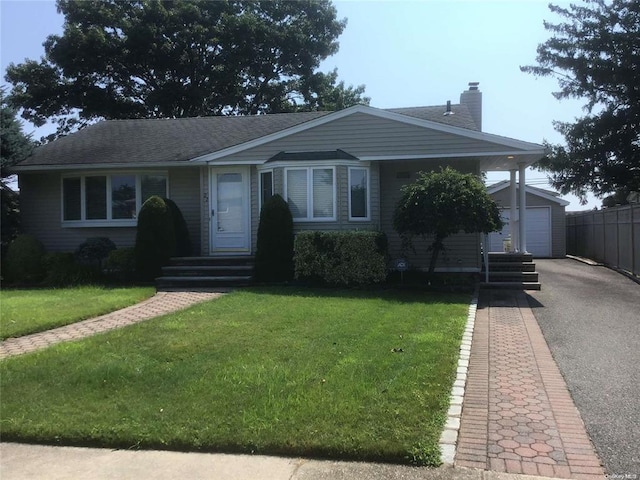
(183, 58)
(441, 204)
(595, 54)
(15, 146)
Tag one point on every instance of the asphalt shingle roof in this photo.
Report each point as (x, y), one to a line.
(157, 141)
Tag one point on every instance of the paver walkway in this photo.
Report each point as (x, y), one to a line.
(517, 415)
(159, 304)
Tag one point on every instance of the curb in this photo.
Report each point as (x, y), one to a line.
(449, 437)
(593, 263)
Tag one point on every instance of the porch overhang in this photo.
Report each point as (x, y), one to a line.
(508, 161)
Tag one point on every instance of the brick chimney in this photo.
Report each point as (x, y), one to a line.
(472, 98)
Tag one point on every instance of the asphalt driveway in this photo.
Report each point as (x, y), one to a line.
(590, 317)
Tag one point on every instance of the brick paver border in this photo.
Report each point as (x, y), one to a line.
(518, 416)
(160, 304)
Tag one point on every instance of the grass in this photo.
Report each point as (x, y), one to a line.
(31, 311)
(351, 375)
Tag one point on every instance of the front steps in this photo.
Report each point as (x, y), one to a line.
(189, 273)
(511, 271)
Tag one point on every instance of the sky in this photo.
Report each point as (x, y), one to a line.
(407, 53)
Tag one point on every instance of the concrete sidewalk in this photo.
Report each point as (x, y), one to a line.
(35, 462)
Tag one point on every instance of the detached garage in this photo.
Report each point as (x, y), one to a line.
(546, 235)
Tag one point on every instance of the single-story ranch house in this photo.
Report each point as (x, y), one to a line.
(337, 170)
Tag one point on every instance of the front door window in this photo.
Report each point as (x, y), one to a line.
(230, 213)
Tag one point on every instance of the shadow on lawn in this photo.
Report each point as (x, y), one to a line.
(393, 294)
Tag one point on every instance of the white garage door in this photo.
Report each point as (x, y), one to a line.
(538, 232)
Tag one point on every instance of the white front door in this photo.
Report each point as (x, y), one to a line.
(230, 210)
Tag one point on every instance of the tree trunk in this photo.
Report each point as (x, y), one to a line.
(436, 247)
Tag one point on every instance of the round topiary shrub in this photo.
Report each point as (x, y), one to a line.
(183, 241)
(155, 238)
(24, 260)
(274, 252)
(94, 250)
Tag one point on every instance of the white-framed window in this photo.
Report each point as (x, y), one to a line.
(108, 199)
(359, 196)
(266, 187)
(311, 193)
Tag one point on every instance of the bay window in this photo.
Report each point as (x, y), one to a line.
(358, 193)
(311, 193)
(108, 199)
(266, 186)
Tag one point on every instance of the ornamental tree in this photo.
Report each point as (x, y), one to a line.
(595, 54)
(440, 204)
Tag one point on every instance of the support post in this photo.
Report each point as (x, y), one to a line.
(522, 207)
(515, 244)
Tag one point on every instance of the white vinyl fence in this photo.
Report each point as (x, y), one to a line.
(610, 236)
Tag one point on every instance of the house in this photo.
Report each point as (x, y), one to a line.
(546, 222)
(338, 171)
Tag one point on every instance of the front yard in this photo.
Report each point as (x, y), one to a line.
(323, 373)
(31, 311)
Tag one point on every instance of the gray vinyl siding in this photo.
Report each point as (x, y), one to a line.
(41, 204)
(558, 218)
(365, 135)
(184, 190)
(462, 250)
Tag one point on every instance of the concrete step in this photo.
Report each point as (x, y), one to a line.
(511, 267)
(510, 257)
(513, 276)
(206, 270)
(510, 285)
(213, 261)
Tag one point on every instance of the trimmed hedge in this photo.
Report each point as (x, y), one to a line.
(120, 265)
(274, 252)
(94, 250)
(183, 240)
(341, 258)
(63, 271)
(155, 238)
(24, 260)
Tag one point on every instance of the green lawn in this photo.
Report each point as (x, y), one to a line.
(318, 373)
(29, 311)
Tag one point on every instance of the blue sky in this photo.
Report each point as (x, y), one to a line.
(407, 53)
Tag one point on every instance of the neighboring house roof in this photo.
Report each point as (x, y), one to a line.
(539, 192)
(166, 142)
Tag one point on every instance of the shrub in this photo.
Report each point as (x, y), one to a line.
(94, 250)
(274, 249)
(183, 241)
(121, 264)
(24, 260)
(62, 270)
(155, 238)
(341, 258)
